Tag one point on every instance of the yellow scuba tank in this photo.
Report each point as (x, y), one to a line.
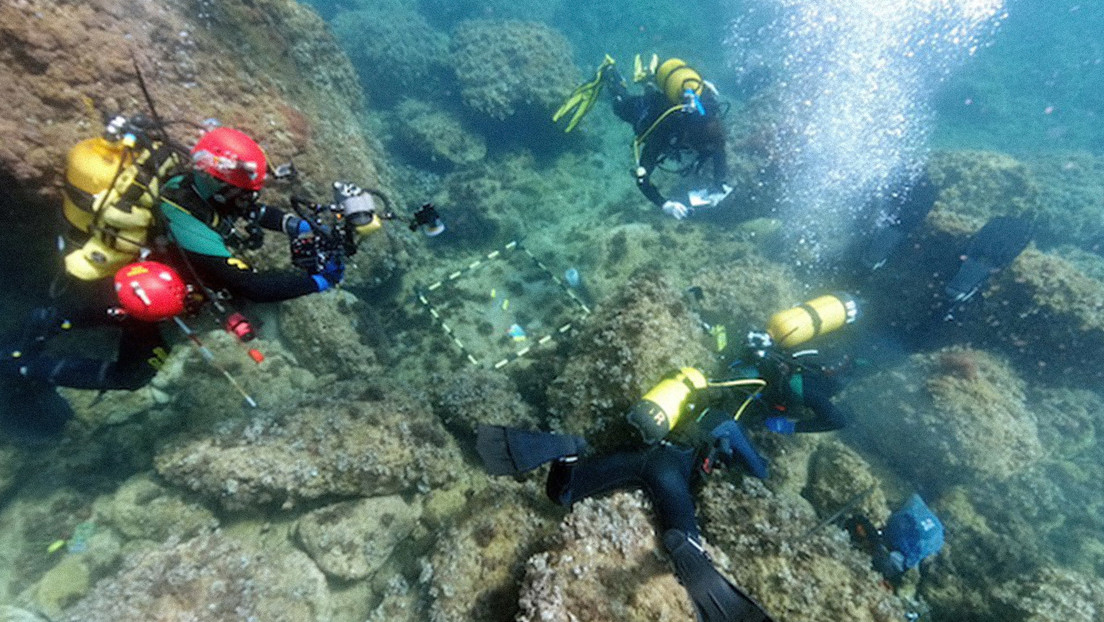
(659, 410)
(674, 76)
(109, 194)
(821, 315)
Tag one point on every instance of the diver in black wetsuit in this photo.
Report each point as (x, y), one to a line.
(661, 134)
(199, 209)
(679, 115)
(667, 470)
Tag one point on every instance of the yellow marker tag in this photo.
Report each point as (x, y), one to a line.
(494, 292)
(505, 304)
(55, 547)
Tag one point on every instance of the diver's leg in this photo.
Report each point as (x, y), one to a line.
(571, 481)
(132, 370)
(816, 394)
(666, 475)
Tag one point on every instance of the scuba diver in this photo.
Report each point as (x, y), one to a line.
(684, 439)
(676, 118)
(120, 211)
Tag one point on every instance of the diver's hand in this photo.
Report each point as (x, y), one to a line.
(332, 274)
(676, 210)
(780, 425)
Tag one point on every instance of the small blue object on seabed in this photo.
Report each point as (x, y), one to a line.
(571, 275)
(914, 531)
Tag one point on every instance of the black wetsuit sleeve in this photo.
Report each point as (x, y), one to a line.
(239, 280)
(275, 219)
(649, 158)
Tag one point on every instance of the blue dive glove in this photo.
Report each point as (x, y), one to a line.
(781, 425)
(331, 275)
(732, 441)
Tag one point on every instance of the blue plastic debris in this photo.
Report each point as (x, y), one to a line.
(914, 531)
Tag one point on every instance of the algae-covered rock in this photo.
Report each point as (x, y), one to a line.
(506, 67)
(478, 560)
(210, 577)
(377, 446)
(1052, 595)
(395, 51)
(437, 138)
(466, 400)
(645, 332)
(353, 539)
(1048, 317)
(837, 475)
(1070, 186)
(744, 302)
(950, 416)
(793, 575)
(269, 66)
(143, 509)
(451, 10)
(200, 389)
(604, 564)
(975, 186)
(322, 332)
(63, 585)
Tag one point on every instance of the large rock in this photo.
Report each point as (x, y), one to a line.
(478, 560)
(211, 577)
(795, 575)
(604, 565)
(1052, 595)
(353, 539)
(509, 67)
(956, 415)
(143, 509)
(368, 448)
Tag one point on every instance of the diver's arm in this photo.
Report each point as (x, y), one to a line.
(239, 279)
(276, 219)
(649, 158)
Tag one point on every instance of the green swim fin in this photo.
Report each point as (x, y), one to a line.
(715, 598)
(584, 96)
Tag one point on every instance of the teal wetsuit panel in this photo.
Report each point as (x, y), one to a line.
(192, 235)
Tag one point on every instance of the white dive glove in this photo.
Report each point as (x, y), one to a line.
(676, 210)
(702, 198)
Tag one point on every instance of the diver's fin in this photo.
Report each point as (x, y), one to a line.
(32, 412)
(584, 96)
(642, 72)
(508, 451)
(715, 598)
(1000, 241)
(990, 250)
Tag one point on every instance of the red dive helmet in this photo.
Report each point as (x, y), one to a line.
(150, 291)
(231, 156)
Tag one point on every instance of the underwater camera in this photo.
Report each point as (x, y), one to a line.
(427, 217)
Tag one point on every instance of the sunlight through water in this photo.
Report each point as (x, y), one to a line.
(854, 82)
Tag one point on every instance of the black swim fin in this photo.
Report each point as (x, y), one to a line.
(990, 250)
(508, 451)
(715, 598)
